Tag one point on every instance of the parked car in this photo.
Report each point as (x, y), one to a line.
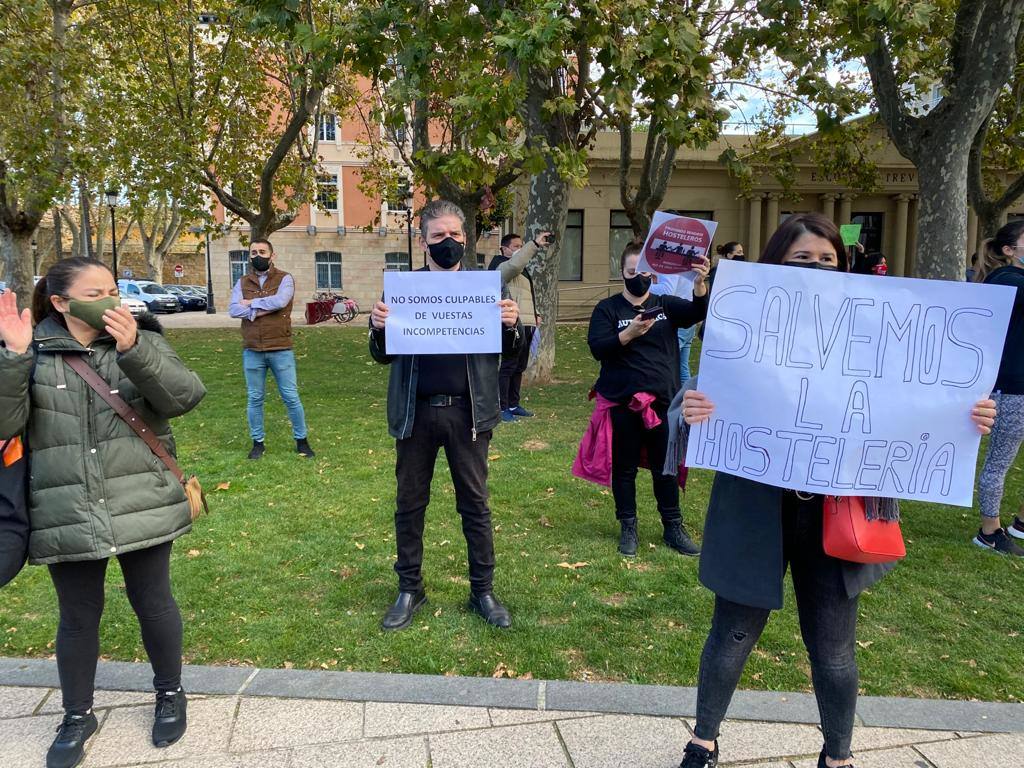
(187, 299)
(156, 297)
(135, 306)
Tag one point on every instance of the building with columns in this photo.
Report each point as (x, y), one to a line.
(347, 240)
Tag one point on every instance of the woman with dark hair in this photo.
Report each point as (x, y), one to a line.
(873, 263)
(753, 532)
(1002, 263)
(96, 488)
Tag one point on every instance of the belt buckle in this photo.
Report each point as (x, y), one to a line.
(440, 401)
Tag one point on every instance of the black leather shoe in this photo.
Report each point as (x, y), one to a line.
(676, 538)
(257, 450)
(170, 721)
(400, 614)
(302, 447)
(491, 610)
(628, 540)
(68, 748)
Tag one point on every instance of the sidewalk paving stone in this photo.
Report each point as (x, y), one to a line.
(624, 741)
(274, 759)
(741, 740)
(383, 719)
(19, 702)
(997, 751)
(126, 735)
(105, 700)
(520, 746)
(523, 716)
(273, 723)
(388, 753)
(24, 741)
(880, 738)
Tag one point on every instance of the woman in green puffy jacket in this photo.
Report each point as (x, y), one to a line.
(96, 489)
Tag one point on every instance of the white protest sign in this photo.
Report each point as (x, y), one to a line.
(853, 385)
(441, 313)
(673, 244)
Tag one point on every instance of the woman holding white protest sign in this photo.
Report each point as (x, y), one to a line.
(633, 335)
(1002, 263)
(754, 532)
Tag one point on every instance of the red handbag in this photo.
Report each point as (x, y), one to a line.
(848, 535)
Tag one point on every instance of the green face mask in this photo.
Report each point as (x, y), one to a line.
(91, 312)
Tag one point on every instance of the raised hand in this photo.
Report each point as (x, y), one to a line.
(122, 327)
(15, 327)
(379, 314)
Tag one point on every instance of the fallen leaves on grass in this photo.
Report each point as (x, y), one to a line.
(222, 486)
(535, 445)
(573, 566)
(544, 522)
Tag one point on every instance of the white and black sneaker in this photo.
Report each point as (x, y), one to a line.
(998, 542)
(1016, 529)
(696, 756)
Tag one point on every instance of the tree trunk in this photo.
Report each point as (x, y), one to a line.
(85, 221)
(548, 207)
(470, 208)
(58, 235)
(16, 256)
(942, 212)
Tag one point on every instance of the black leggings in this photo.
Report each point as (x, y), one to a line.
(629, 439)
(828, 624)
(147, 579)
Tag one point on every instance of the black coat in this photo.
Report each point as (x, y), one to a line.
(741, 555)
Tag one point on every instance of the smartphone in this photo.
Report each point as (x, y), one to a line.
(650, 314)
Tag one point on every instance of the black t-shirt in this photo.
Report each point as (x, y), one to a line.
(441, 375)
(649, 363)
(1010, 380)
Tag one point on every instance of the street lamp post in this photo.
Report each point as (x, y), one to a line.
(112, 204)
(408, 226)
(210, 309)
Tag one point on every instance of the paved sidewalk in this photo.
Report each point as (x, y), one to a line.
(248, 718)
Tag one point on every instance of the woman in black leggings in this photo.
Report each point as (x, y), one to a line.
(96, 489)
(753, 533)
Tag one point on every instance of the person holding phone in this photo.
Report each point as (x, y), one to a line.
(633, 335)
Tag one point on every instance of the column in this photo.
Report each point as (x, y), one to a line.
(912, 235)
(772, 214)
(828, 205)
(972, 236)
(899, 236)
(845, 208)
(753, 244)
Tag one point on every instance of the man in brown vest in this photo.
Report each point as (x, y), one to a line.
(262, 299)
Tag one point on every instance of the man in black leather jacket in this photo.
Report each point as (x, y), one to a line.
(449, 401)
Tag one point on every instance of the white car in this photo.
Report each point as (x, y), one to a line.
(134, 306)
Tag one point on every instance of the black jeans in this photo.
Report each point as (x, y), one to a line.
(448, 427)
(828, 624)
(510, 374)
(628, 438)
(147, 579)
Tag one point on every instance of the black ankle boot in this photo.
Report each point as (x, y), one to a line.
(676, 538)
(170, 720)
(257, 450)
(68, 748)
(401, 612)
(628, 541)
(302, 447)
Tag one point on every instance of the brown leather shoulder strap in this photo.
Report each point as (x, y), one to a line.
(125, 411)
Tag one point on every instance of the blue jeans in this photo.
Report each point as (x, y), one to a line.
(282, 365)
(685, 336)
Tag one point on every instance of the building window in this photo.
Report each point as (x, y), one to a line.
(570, 265)
(238, 261)
(327, 193)
(397, 261)
(619, 236)
(328, 127)
(328, 271)
(871, 230)
(703, 215)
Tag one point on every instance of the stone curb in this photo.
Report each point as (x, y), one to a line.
(556, 695)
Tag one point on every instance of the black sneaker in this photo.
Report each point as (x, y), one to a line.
(628, 541)
(257, 450)
(695, 756)
(1017, 528)
(68, 748)
(999, 542)
(302, 447)
(676, 538)
(169, 721)
(823, 764)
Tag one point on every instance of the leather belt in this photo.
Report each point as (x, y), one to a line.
(443, 401)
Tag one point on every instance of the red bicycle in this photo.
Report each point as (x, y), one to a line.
(327, 305)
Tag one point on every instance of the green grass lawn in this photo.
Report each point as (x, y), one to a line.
(294, 566)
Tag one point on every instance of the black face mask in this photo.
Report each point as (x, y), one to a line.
(447, 253)
(741, 257)
(260, 263)
(812, 265)
(638, 285)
